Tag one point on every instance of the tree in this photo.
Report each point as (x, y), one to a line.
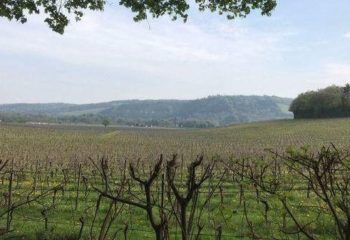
(105, 122)
(346, 97)
(58, 13)
(329, 102)
(325, 176)
(163, 196)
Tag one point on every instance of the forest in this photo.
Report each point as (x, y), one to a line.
(199, 113)
(330, 102)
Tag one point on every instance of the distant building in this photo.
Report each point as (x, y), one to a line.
(38, 123)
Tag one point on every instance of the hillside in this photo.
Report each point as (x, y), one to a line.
(210, 111)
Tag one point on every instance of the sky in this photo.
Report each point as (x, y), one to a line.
(304, 45)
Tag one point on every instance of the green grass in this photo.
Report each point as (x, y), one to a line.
(52, 148)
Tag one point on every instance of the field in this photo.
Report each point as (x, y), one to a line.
(57, 182)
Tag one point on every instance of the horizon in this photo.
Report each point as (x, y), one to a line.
(107, 55)
(149, 99)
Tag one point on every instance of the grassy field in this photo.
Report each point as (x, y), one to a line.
(63, 142)
(41, 157)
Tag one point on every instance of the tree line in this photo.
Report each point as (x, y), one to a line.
(10, 117)
(333, 101)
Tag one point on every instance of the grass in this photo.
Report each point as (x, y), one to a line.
(52, 148)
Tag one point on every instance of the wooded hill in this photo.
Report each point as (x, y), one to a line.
(205, 112)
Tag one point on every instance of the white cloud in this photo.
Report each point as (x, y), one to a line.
(347, 35)
(119, 58)
(339, 70)
(111, 42)
(337, 73)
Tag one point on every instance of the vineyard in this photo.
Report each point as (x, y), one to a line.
(285, 179)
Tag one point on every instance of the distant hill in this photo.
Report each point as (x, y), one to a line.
(210, 111)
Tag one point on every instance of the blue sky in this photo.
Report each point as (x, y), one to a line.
(304, 45)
